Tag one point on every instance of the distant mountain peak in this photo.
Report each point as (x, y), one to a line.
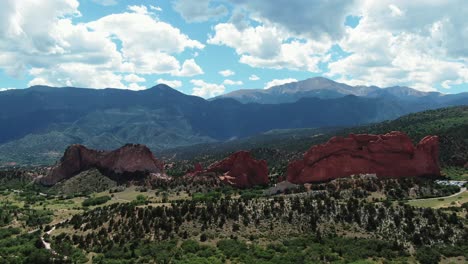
(162, 86)
(323, 88)
(320, 79)
(163, 89)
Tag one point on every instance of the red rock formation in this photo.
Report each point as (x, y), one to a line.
(197, 168)
(389, 155)
(241, 170)
(127, 160)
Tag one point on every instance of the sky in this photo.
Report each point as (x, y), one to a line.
(210, 47)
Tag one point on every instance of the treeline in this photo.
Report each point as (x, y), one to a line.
(305, 249)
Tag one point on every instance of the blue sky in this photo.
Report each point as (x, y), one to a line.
(210, 47)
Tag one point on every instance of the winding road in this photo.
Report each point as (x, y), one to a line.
(47, 244)
(462, 190)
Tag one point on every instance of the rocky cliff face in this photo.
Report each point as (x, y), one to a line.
(239, 170)
(388, 155)
(126, 163)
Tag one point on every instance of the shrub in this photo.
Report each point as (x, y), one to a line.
(427, 255)
(96, 200)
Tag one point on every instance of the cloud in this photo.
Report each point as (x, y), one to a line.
(226, 73)
(199, 11)
(136, 87)
(313, 18)
(239, 19)
(189, 68)
(270, 47)
(145, 54)
(415, 43)
(106, 2)
(141, 9)
(405, 43)
(173, 83)
(276, 82)
(6, 89)
(83, 76)
(254, 77)
(206, 90)
(395, 10)
(76, 75)
(45, 43)
(54, 50)
(156, 8)
(231, 82)
(38, 39)
(134, 78)
(394, 43)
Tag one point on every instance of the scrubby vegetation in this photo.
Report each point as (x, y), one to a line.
(360, 219)
(96, 200)
(455, 173)
(306, 249)
(280, 216)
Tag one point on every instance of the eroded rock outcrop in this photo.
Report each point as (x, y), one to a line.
(129, 162)
(388, 155)
(197, 168)
(239, 169)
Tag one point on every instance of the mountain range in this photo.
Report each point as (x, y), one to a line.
(38, 123)
(324, 88)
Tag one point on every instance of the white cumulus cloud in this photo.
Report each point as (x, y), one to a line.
(226, 73)
(270, 47)
(136, 87)
(231, 82)
(405, 43)
(254, 77)
(76, 75)
(189, 68)
(106, 2)
(206, 90)
(156, 8)
(54, 50)
(141, 9)
(134, 78)
(146, 54)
